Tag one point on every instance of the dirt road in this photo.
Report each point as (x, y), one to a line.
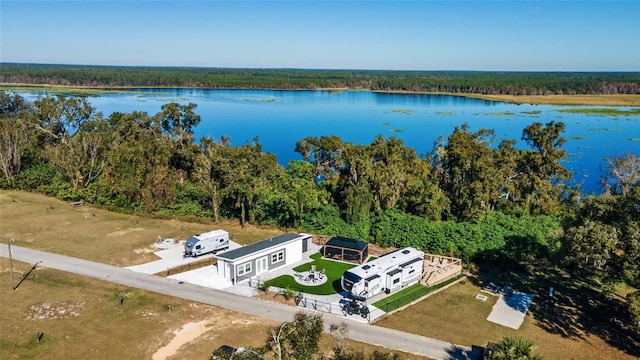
(388, 338)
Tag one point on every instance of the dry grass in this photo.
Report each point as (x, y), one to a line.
(44, 223)
(566, 331)
(603, 100)
(81, 318)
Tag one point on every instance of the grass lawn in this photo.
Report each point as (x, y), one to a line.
(581, 324)
(333, 271)
(44, 223)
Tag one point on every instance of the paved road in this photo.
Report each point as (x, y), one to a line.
(388, 338)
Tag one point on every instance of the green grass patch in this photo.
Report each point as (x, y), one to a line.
(403, 111)
(333, 271)
(602, 111)
(408, 295)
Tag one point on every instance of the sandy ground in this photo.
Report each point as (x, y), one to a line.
(187, 333)
(510, 311)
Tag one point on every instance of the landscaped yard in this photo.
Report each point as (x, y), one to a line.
(333, 271)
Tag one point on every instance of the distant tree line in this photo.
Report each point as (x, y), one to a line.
(469, 197)
(470, 82)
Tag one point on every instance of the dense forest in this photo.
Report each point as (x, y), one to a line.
(471, 82)
(469, 197)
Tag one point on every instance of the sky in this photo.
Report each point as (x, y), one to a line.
(399, 35)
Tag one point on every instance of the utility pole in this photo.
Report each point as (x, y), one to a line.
(13, 284)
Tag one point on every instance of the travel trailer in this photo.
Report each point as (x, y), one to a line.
(387, 273)
(205, 243)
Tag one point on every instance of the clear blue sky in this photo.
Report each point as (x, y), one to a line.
(415, 35)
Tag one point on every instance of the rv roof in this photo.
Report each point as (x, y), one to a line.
(210, 234)
(386, 261)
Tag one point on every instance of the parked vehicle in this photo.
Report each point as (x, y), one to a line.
(387, 273)
(205, 243)
(355, 307)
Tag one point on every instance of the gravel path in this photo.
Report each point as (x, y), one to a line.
(388, 338)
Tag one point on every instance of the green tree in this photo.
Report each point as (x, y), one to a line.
(298, 339)
(514, 348)
(470, 175)
(542, 174)
(14, 134)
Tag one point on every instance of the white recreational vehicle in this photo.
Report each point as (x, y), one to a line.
(387, 273)
(209, 242)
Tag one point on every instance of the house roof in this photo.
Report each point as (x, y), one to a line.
(258, 246)
(347, 243)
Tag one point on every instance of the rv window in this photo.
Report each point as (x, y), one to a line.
(412, 271)
(197, 247)
(395, 281)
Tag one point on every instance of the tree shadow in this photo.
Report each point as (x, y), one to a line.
(456, 352)
(573, 310)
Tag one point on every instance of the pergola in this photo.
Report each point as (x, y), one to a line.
(346, 249)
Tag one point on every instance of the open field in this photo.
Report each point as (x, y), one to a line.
(579, 325)
(45, 223)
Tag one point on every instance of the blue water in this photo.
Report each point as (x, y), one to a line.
(280, 118)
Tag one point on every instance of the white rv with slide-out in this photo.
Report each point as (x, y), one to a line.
(205, 243)
(387, 273)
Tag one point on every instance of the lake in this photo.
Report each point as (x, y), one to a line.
(280, 118)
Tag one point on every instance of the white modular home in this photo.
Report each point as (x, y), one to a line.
(263, 256)
(387, 273)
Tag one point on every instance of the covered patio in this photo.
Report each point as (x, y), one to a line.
(346, 249)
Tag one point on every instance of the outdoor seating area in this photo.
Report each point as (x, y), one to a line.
(313, 277)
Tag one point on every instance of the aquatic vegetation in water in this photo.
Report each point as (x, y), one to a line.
(534, 112)
(602, 111)
(403, 111)
(443, 113)
(635, 139)
(262, 100)
(385, 124)
(502, 113)
(396, 130)
(577, 137)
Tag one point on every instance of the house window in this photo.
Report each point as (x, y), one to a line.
(244, 268)
(277, 257)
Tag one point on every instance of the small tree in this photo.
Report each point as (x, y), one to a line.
(514, 348)
(299, 339)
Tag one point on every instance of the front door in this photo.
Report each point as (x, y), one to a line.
(261, 265)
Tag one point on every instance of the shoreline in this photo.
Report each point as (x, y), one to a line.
(568, 100)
